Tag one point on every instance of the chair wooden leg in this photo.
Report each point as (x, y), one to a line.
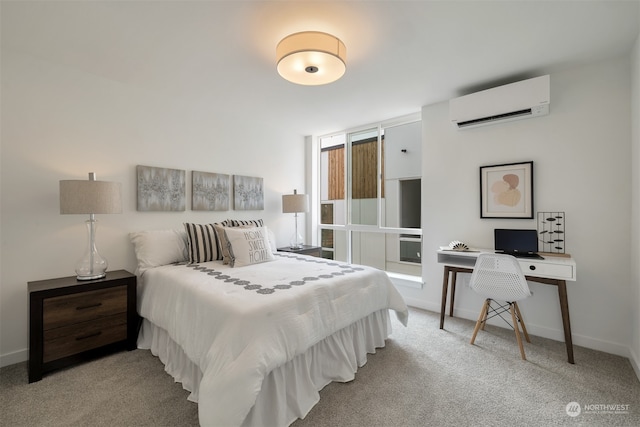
(486, 313)
(481, 319)
(521, 320)
(517, 329)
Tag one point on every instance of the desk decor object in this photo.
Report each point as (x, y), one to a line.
(90, 197)
(506, 191)
(457, 245)
(295, 203)
(160, 189)
(551, 236)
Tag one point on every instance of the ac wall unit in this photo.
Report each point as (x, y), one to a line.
(515, 101)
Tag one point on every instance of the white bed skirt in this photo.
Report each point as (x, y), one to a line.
(290, 391)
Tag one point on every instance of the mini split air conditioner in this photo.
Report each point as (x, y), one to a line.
(515, 101)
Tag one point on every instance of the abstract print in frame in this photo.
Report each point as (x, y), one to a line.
(248, 193)
(506, 191)
(209, 191)
(160, 189)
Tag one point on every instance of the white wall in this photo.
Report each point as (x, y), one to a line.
(635, 212)
(60, 123)
(581, 154)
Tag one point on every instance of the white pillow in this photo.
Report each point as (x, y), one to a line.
(248, 246)
(272, 240)
(159, 247)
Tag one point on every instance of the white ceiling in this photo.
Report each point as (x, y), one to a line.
(217, 57)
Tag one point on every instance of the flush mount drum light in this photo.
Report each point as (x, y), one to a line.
(311, 58)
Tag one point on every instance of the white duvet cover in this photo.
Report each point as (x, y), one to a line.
(238, 324)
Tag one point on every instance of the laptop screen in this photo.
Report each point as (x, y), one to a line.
(510, 241)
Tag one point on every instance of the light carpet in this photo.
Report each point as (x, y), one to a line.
(423, 377)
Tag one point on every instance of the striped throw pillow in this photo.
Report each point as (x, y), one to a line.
(238, 222)
(203, 241)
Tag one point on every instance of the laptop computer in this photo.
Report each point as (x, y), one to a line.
(519, 243)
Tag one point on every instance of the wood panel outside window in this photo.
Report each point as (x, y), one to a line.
(336, 174)
(363, 168)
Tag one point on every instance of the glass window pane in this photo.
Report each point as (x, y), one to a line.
(332, 179)
(334, 244)
(388, 251)
(404, 254)
(368, 249)
(402, 173)
(364, 177)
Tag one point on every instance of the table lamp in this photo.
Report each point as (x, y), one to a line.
(90, 197)
(295, 203)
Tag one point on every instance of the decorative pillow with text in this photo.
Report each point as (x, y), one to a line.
(248, 246)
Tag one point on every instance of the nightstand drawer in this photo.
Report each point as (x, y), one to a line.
(79, 337)
(81, 307)
(71, 321)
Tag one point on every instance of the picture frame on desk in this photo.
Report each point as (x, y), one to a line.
(506, 191)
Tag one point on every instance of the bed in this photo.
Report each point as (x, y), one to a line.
(256, 339)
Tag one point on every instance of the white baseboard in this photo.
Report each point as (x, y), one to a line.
(422, 304)
(635, 362)
(13, 358)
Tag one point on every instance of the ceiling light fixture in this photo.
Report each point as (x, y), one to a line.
(311, 58)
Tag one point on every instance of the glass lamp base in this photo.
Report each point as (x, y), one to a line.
(91, 277)
(296, 241)
(92, 265)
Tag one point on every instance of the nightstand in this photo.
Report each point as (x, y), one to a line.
(71, 321)
(305, 250)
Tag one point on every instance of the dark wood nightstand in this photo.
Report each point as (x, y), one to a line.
(72, 320)
(305, 250)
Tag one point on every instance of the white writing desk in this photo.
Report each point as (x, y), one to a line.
(552, 270)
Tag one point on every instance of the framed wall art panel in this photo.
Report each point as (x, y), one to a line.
(209, 191)
(506, 191)
(248, 193)
(160, 189)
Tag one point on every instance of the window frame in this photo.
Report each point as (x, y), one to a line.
(349, 227)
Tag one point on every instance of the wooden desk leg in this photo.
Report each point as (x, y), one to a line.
(566, 323)
(453, 292)
(445, 288)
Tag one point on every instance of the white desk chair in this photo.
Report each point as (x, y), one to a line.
(499, 277)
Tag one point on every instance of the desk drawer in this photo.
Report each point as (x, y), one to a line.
(81, 307)
(556, 271)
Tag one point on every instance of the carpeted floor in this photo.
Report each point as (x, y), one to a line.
(423, 377)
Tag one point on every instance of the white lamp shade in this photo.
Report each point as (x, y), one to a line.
(311, 58)
(90, 197)
(295, 203)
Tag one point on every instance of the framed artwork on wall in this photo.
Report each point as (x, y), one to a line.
(160, 189)
(506, 191)
(209, 191)
(248, 193)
